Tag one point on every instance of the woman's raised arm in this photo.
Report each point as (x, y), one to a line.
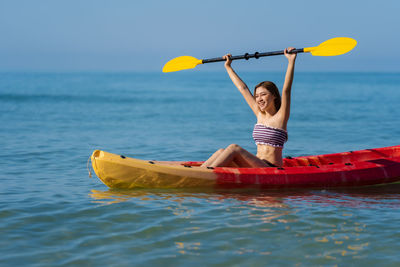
(284, 111)
(244, 90)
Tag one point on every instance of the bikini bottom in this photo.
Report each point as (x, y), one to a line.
(269, 163)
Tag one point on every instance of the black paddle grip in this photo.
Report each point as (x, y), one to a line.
(256, 55)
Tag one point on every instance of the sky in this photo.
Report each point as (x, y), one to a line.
(133, 35)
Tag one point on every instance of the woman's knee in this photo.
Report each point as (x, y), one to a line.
(234, 147)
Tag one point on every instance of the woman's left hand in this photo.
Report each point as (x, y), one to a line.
(290, 56)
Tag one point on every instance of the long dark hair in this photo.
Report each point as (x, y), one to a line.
(271, 87)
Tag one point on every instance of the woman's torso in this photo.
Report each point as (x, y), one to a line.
(271, 153)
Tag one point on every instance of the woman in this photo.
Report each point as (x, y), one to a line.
(270, 132)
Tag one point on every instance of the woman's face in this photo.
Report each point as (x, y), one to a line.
(264, 98)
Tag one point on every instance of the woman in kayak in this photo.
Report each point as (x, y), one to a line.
(270, 132)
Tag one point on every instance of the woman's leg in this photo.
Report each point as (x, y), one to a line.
(235, 154)
(214, 156)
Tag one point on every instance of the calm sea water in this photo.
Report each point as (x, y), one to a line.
(53, 214)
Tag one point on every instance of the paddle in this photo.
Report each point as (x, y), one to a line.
(332, 47)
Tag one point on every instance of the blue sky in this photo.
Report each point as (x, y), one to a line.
(131, 35)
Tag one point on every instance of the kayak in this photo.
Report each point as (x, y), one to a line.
(347, 169)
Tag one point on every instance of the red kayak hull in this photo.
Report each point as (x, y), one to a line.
(354, 168)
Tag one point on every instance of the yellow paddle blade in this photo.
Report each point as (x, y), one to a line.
(181, 63)
(333, 47)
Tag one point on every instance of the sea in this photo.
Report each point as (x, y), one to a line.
(53, 214)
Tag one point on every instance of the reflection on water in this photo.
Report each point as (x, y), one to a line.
(250, 200)
(319, 226)
(352, 197)
(253, 198)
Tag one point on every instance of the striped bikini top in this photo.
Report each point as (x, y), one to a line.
(265, 135)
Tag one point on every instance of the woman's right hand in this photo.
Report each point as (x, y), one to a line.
(228, 61)
(290, 56)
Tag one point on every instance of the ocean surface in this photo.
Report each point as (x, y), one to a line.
(53, 214)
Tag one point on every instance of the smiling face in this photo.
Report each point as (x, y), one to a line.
(264, 99)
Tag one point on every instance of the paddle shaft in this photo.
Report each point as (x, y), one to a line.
(255, 55)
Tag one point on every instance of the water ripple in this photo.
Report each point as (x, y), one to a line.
(52, 214)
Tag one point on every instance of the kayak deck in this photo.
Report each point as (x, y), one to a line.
(354, 168)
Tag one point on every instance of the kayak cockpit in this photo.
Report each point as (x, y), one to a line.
(369, 155)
